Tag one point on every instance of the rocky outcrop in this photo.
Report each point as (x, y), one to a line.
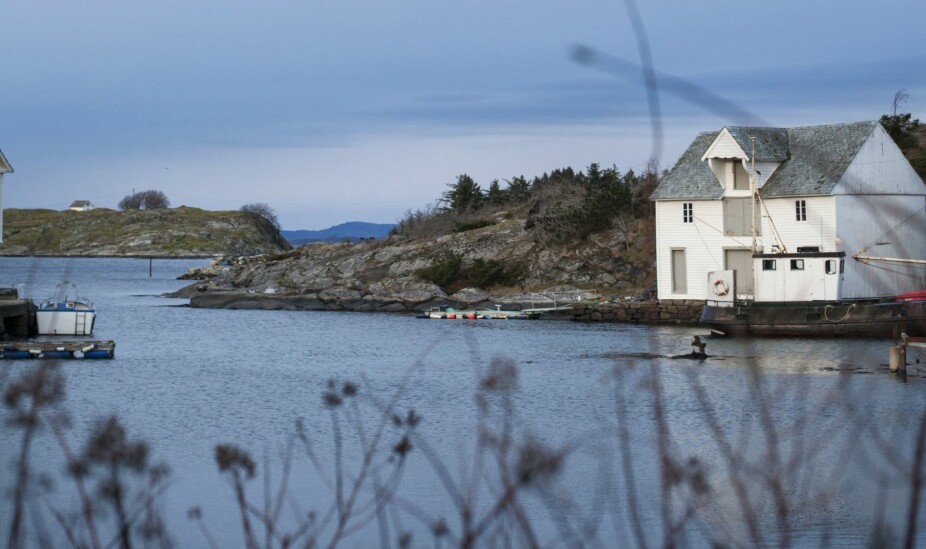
(170, 232)
(392, 276)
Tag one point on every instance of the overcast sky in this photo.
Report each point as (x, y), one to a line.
(334, 111)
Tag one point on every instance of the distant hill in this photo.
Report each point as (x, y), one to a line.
(352, 230)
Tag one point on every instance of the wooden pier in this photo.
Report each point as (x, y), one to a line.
(57, 349)
(17, 316)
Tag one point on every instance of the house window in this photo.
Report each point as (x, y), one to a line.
(800, 210)
(768, 265)
(688, 212)
(830, 266)
(797, 264)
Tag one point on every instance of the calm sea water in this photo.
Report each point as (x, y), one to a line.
(184, 380)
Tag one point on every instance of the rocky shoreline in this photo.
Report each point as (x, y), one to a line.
(629, 312)
(591, 281)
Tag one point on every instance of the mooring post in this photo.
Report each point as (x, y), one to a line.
(903, 356)
(893, 357)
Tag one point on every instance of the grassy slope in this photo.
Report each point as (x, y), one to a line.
(176, 232)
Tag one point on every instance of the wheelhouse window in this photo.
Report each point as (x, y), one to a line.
(797, 264)
(688, 212)
(830, 266)
(800, 210)
(769, 265)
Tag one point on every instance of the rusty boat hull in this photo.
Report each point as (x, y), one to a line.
(884, 318)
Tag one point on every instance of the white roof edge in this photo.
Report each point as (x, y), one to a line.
(724, 132)
(4, 165)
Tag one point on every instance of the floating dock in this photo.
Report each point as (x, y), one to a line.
(449, 313)
(57, 349)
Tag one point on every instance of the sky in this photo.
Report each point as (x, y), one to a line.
(360, 110)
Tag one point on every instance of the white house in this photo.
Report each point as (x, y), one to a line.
(4, 168)
(824, 193)
(81, 206)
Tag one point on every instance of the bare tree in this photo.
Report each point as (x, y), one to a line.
(900, 98)
(148, 200)
(263, 210)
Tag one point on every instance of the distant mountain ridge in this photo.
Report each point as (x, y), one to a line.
(352, 230)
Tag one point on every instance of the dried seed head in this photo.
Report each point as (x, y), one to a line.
(440, 528)
(403, 447)
(536, 462)
(231, 458)
(332, 399)
(502, 375)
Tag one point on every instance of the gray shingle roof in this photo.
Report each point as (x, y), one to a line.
(813, 159)
(771, 143)
(690, 177)
(819, 157)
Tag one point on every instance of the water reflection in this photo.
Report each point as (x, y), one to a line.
(803, 421)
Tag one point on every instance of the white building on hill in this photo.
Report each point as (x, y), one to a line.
(825, 192)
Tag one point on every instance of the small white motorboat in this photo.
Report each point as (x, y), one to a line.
(66, 313)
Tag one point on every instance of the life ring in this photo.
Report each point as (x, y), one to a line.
(721, 288)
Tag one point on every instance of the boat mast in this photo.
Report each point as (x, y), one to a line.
(867, 259)
(753, 192)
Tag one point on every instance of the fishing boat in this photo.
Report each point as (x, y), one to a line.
(65, 313)
(797, 294)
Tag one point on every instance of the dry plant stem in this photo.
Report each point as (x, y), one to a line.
(775, 480)
(22, 481)
(735, 464)
(665, 458)
(623, 439)
(86, 504)
(63, 523)
(916, 485)
(238, 486)
(119, 506)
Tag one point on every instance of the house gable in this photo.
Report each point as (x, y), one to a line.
(724, 146)
(4, 165)
(879, 168)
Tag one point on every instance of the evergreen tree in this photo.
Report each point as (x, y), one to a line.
(519, 189)
(495, 196)
(464, 195)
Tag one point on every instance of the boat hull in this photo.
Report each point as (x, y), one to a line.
(56, 322)
(868, 318)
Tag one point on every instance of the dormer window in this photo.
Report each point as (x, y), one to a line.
(740, 177)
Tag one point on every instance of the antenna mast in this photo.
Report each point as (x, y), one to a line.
(753, 191)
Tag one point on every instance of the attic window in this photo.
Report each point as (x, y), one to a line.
(687, 212)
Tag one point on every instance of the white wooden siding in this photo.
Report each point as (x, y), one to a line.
(866, 221)
(724, 146)
(1, 205)
(819, 229)
(703, 241)
(880, 168)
